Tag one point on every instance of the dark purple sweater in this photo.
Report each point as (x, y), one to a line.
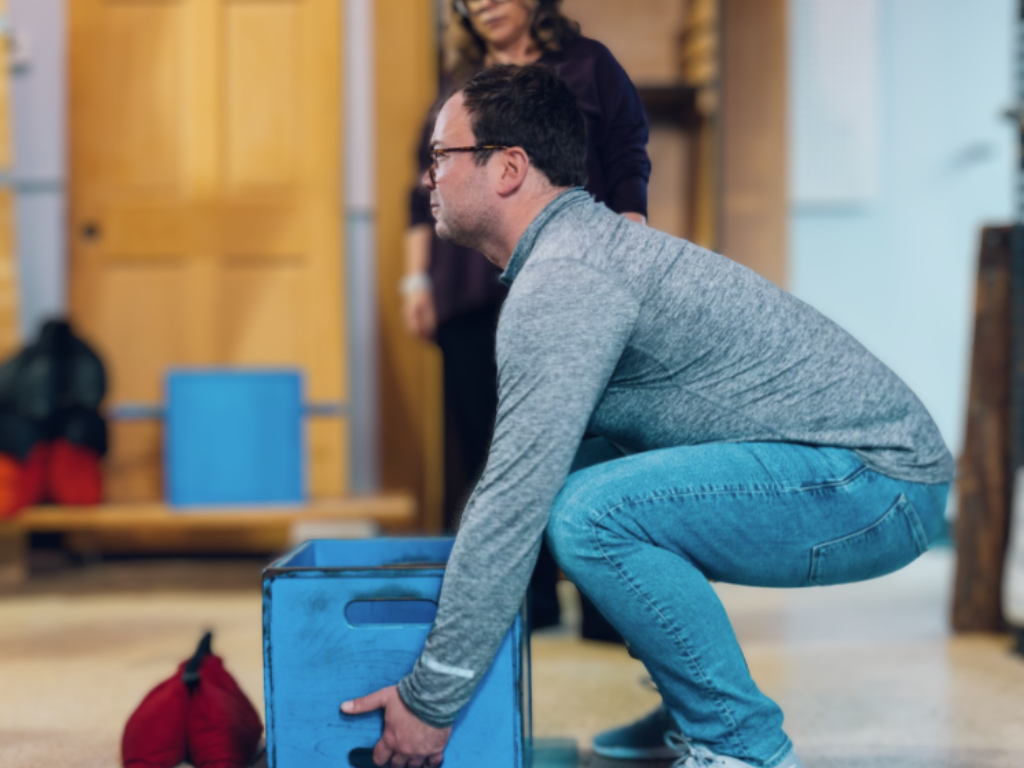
(618, 170)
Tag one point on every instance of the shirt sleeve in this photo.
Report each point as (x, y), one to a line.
(624, 157)
(561, 334)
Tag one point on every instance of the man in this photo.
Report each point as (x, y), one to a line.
(760, 444)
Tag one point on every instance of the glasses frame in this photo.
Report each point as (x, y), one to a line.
(437, 154)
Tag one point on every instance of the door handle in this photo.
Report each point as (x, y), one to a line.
(91, 231)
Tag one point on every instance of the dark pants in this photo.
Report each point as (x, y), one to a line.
(471, 403)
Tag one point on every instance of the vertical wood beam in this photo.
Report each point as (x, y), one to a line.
(410, 371)
(754, 208)
(984, 481)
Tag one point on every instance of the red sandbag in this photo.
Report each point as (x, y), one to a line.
(10, 486)
(33, 476)
(224, 728)
(73, 474)
(155, 736)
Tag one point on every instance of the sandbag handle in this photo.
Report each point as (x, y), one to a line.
(191, 674)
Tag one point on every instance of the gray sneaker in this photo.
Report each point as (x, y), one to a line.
(642, 740)
(690, 755)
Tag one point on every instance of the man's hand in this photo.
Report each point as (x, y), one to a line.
(407, 742)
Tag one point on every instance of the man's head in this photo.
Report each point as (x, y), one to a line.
(535, 136)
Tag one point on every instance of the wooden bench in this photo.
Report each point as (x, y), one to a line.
(155, 528)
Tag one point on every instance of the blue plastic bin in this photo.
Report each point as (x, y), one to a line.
(234, 437)
(342, 619)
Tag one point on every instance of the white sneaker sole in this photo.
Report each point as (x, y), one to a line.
(634, 753)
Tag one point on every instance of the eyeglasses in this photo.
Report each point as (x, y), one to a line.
(437, 154)
(462, 6)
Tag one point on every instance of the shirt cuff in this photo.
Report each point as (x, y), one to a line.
(407, 693)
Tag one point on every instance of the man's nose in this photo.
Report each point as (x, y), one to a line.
(427, 181)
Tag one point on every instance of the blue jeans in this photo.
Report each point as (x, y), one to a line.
(642, 535)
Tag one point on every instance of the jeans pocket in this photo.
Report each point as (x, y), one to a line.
(891, 542)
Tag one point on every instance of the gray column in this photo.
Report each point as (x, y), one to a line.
(36, 29)
(361, 239)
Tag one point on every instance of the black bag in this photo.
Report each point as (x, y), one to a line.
(57, 384)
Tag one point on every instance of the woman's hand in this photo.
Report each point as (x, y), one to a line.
(419, 313)
(407, 741)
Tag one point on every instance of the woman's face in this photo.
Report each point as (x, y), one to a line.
(500, 22)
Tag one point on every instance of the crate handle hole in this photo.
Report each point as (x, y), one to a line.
(390, 611)
(361, 757)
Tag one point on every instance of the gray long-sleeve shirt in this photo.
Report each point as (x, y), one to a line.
(614, 329)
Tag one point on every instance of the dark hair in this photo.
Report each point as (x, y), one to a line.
(465, 50)
(530, 107)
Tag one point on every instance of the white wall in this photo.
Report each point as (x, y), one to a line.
(895, 262)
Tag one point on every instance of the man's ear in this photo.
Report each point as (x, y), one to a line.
(512, 170)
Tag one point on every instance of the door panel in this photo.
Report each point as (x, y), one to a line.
(261, 100)
(205, 199)
(263, 311)
(139, 93)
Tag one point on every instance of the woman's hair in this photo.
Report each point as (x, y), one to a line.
(465, 50)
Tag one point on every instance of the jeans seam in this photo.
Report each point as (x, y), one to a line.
(902, 507)
(916, 527)
(667, 626)
(750, 490)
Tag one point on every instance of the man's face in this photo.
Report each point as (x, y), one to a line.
(459, 192)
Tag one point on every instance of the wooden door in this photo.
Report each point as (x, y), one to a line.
(205, 179)
(9, 336)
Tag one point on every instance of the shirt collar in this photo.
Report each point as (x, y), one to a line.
(525, 245)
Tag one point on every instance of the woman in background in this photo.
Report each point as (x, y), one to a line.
(452, 294)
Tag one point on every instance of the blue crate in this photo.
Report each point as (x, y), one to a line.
(342, 619)
(234, 437)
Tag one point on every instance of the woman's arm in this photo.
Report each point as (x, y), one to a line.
(418, 311)
(623, 152)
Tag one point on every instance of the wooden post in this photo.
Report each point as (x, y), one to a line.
(984, 484)
(412, 406)
(754, 203)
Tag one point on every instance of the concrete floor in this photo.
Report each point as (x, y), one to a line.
(868, 674)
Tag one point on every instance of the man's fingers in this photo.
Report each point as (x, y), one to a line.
(434, 760)
(381, 754)
(363, 704)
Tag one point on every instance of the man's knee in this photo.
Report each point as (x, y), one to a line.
(570, 531)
